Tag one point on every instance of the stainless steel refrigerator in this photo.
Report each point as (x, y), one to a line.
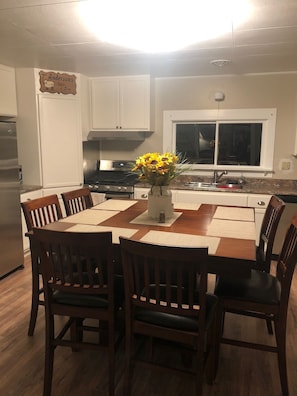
(11, 242)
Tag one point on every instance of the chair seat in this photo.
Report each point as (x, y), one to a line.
(91, 300)
(84, 300)
(261, 287)
(177, 322)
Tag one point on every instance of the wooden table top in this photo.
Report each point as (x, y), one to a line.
(233, 255)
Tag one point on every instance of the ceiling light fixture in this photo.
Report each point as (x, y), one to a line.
(161, 26)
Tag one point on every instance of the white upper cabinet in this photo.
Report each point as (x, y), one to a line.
(61, 141)
(8, 103)
(49, 134)
(120, 103)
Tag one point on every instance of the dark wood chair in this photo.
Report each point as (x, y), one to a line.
(268, 230)
(38, 212)
(77, 200)
(165, 299)
(263, 296)
(79, 283)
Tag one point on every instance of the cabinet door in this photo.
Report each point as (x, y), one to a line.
(134, 103)
(260, 203)
(141, 193)
(120, 103)
(212, 198)
(60, 140)
(105, 103)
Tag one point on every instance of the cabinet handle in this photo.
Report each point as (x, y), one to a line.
(143, 195)
(261, 203)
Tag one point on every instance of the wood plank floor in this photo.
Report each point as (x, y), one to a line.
(242, 372)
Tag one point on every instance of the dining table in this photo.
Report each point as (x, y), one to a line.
(227, 231)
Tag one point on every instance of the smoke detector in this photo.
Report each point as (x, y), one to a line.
(219, 96)
(220, 62)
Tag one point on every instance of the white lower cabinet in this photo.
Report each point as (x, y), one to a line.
(212, 198)
(259, 202)
(98, 198)
(203, 197)
(142, 193)
(26, 197)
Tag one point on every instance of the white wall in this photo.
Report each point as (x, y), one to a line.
(247, 91)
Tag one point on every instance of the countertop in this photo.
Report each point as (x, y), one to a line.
(251, 186)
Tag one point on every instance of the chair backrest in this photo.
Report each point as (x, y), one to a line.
(77, 200)
(268, 230)
(164, 278)
(41, 211)
(286, 265)
(76, 263)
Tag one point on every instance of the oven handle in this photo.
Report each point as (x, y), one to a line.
(118, 195)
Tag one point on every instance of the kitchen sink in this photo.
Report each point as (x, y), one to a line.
(213, 186)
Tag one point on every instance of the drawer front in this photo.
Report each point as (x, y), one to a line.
(258, 201)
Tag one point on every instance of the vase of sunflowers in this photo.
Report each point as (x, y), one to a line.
(159, 203)
(158, 170)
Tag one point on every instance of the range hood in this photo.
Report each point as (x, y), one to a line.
(116, 135)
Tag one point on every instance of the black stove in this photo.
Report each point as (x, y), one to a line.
(112, 177)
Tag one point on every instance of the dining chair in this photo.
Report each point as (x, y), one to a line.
(79, 284)
(268, 230)
(166, 298)
(271, 219)
(262, 296)
(77, 200)
(38, 212)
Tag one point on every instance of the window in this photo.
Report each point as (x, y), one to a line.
(239, 140)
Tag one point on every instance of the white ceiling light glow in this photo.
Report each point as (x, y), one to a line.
(161, 25)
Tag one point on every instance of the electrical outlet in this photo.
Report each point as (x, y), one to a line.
(286, 165)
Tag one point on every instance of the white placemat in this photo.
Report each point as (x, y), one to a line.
(116, 232)
(115, 204)
(144, 219)
(233, 213)
(90, 216)
(186, 205)
(176, 239)
(232, 229)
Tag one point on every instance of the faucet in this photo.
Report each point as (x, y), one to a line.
(217, 177)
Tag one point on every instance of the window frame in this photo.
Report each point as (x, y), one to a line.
(265, 115)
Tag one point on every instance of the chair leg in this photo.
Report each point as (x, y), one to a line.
(212, 358)
(281, 356)
(49, 357)
(76, 332)
(200, 370)
(111, 357)
(35, 298)
(129, 350)
(219, 330)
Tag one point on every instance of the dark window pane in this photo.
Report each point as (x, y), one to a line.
(240, 144)
(196, 142)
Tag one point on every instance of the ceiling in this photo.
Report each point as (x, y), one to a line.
(47, 34)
